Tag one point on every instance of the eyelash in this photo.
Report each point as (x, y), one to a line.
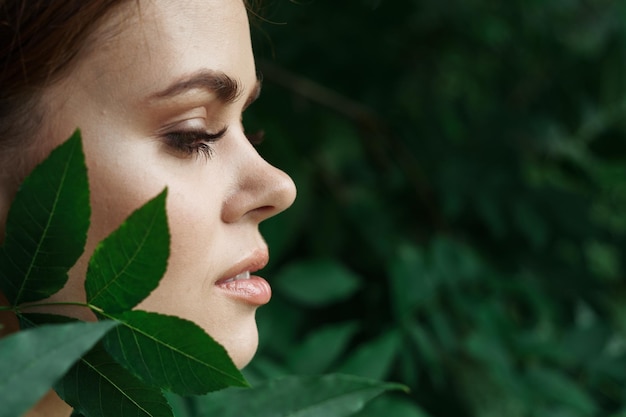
(199, 142)
(192, 142)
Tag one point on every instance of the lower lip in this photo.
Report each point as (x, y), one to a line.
(255, 291)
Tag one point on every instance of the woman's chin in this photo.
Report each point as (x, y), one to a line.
(242, 347)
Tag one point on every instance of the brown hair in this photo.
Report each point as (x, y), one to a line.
(38, 41)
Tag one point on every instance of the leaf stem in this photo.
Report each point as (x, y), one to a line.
(65, 303)
(97, 310)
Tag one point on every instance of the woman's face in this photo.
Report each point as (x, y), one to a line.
(161, 79)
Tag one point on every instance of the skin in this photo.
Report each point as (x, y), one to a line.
(215, 203)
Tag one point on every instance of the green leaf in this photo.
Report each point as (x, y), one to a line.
(312, 396)
(322, 347)
(34, 359)
(411, 283)
(263, 368)
(393, 406)
(97, 386)
(171, 353)
(425, 349)
(181, 406)
(317, 283)
(373, 359)
(129, 263)
(47, 226)
(555, 387)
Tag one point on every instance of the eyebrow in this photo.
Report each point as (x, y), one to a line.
(227, 89)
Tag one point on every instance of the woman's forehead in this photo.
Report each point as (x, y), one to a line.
(146, 44)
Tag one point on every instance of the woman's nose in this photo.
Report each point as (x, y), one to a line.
(261, 191)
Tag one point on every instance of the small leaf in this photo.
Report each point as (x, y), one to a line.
(97, 386)
(311, 396)
(373, 359)
(171, 353)
(38, 358)
(317, 283)
(129, 263)
(322, 348)
(411, 283)
(420, 345)
(47, 226)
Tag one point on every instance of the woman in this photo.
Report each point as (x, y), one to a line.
(158, 89)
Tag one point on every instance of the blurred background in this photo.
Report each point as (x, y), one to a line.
(460, 225)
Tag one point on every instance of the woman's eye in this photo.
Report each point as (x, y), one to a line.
(193, 142)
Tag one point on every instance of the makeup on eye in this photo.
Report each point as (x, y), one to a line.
(193, 141)
(198, 141)
(190, 137)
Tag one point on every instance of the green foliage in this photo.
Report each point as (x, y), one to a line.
(175, 353)
(99, 386)
(465, 160)
(330, 395)
(129, 264)
(41, 356)
(318, 352)
(119, 366)
(46, 227)
(317, 283)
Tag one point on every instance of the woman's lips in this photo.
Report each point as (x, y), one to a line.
(239, 284)
(248, 288)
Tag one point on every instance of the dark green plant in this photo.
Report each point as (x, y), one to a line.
(465, 161)
(119, 365)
